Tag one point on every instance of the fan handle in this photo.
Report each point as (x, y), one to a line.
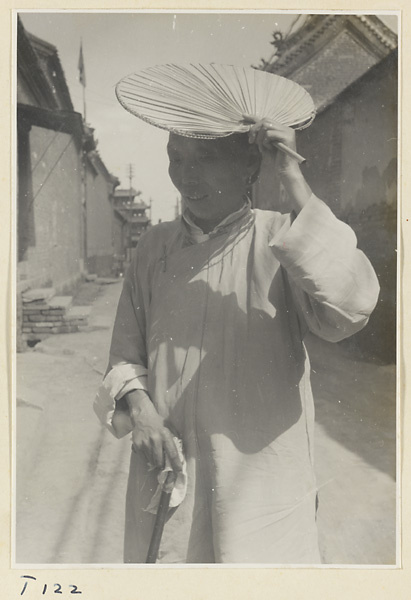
(287, 150)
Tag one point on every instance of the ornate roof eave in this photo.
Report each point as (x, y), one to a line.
(318, 30)
(380, 30)
(122, 192)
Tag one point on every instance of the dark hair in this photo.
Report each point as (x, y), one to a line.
(241, 142)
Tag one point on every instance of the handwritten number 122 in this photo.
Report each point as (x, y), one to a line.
(57, 587)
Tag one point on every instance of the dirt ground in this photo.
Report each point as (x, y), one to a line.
(72, 473)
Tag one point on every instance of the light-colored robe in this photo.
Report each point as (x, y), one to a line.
(219, 326)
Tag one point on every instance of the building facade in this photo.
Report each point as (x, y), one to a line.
(65, 212)
(50, 224)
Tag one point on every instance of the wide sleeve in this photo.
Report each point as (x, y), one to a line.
(332, 282)
(128, 357)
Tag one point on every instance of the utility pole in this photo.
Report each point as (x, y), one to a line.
(130, 177)
(151, 208)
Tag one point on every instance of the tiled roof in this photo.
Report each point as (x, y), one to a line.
(329, 52)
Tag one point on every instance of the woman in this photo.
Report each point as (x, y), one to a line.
(208, 347)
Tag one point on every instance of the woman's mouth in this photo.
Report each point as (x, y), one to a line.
(195, 197)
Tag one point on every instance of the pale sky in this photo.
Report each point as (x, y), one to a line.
(116, 44)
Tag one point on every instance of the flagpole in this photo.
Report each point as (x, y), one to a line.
(84, 103)
(82, 78)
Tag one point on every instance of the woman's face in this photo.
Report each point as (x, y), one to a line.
(211, 175)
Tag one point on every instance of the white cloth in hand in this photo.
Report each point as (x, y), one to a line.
(180, 485)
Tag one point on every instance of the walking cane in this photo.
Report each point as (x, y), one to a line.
(160, 520)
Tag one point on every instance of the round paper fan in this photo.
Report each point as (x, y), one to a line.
(211, 101)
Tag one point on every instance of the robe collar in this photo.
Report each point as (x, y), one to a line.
(197, 234)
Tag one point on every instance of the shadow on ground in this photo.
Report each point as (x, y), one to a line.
(355, 403)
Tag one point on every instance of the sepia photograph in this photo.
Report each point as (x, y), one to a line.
(205, 266)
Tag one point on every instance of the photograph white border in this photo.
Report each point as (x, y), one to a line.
(11, 348)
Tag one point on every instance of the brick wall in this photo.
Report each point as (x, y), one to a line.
(55, 257)
(359, 183)
(369, 139)
(352, 145)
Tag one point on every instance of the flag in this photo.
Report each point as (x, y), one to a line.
(81, 70)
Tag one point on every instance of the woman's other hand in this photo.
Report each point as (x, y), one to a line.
(267, 134)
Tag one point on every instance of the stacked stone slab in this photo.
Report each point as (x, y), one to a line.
(45, 314)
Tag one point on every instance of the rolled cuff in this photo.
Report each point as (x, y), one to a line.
(118, 382)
